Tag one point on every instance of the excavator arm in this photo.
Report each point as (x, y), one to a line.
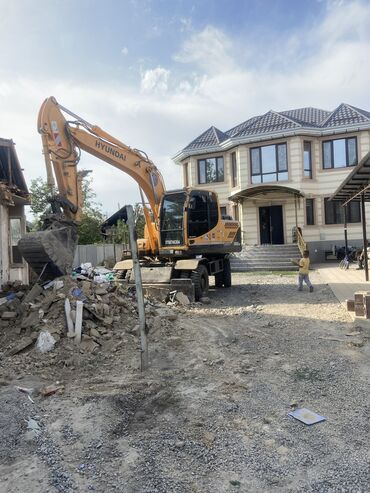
(63, 140)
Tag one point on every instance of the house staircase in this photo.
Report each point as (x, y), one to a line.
(265, 257)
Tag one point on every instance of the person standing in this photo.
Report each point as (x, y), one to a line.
(304, 267)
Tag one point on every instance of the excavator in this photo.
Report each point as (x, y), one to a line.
(185, 239)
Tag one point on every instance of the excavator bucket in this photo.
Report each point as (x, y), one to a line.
(50, 252)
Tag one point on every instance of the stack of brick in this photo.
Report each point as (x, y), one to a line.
(360, 305)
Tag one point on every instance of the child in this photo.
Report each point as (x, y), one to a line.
(304, 267)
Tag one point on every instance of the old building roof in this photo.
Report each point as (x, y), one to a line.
(12, 182)
(274, 124)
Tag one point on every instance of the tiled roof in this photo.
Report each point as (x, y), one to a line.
(275, 122)
(307, 116)
(211, 137)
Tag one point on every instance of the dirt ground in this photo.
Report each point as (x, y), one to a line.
(210, 415)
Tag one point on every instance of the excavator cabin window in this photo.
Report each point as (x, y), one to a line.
(202, 213)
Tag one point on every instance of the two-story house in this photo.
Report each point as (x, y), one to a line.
(277, 171)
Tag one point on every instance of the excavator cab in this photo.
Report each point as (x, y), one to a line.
(187, 215)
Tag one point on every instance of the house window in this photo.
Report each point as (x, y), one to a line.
(223, 211)
(310, 212)
(15, 236)
(334, 212)
(236, 212)
(307, 160)
(186, 174)
(269, 163)
(339, 153)
(211, 170)
(234, 171)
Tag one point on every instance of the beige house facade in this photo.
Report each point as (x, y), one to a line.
(277, 171)
(13, 198)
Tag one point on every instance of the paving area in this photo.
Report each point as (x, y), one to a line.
(211, 414)
(344, 283)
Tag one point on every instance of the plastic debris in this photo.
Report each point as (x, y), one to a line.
(45, 342)
(306, 416)
(27, 391)
(33, 426)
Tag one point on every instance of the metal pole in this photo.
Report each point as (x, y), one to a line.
(296, 212)
(139, 287)
(364, 240)
(345, 232)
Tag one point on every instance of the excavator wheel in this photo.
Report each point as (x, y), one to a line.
(200, 280)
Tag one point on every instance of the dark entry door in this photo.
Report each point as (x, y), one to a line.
(271, 225)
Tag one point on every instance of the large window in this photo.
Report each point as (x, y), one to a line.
(211, 170)
(334, 212)
(310, 212)
(269, 163)
(234, 171)
(202, 213)
(339, 153)
(307, 160)
(15, 236)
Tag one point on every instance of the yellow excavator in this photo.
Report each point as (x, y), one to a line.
(185, 239)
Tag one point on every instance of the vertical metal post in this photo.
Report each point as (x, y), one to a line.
(296, 212)
(139, 287)
(364, 239)
(345, 231)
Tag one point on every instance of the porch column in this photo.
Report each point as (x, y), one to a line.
(364, 239)
(296, 212)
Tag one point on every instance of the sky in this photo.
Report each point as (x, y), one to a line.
(155, 74)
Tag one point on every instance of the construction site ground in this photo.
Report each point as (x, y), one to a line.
(211, 413)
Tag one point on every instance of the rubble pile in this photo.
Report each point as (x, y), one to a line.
(40, 314)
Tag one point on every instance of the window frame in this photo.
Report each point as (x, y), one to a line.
(276, 171)
(349, 212)
(313, 211)
(216, 158)
(10, 242)
(331, 142)
(308, 177)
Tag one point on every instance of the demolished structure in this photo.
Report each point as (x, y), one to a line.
(13, 198)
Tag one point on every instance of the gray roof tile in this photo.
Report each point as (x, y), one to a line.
(344, 115)
(272, 121)
(211, 137)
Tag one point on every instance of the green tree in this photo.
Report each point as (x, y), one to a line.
(119, 232)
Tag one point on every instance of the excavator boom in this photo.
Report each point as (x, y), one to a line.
(50, 252)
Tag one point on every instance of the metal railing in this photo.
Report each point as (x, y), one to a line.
(302, 245)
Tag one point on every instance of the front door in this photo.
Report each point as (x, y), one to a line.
(271, 225)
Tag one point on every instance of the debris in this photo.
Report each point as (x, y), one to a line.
(182, 298)
(67, 311)
(78, 324)
(353, 334)
(33, 293)
(306, 416)
(26, 391)
(51, 389)
(205, 300)
(234, 482)
(9, 315)
(45, 342)
(34, 427)
(23, 344)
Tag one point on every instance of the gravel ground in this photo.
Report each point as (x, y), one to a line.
(210, 415)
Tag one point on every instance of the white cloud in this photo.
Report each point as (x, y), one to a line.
(155, 80)
(209, 49)
(124, 51)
